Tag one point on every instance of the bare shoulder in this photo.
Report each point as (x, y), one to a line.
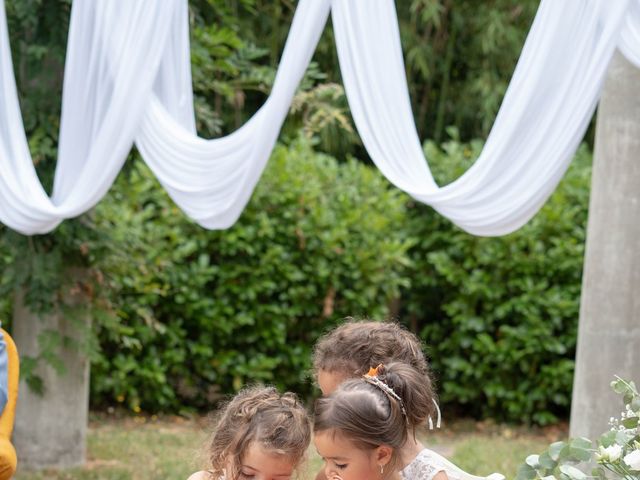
(201, 475)
(441, 475)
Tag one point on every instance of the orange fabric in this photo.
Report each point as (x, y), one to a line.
(8, 459)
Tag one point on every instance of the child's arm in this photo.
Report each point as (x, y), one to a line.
(441, 475)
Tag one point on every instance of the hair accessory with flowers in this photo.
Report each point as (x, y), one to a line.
(372, 377)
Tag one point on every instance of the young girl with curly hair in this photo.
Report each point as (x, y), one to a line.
(260, 434)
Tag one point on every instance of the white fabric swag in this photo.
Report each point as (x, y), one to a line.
(128, 79)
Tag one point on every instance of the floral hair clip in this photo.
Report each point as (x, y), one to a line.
(372, 377)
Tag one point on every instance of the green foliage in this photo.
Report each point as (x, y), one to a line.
(38, 267)
(200, 313)
(38, 36)
(236, 48)
(460, 56)
(226, 68)
(6, 259)
(51, 273)
(500, 314)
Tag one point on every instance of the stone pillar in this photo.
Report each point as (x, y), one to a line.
(609, 328)
(50, 429)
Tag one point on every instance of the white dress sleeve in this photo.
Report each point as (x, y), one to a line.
(428, 463)
(423, 467)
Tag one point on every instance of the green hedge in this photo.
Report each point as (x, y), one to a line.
(197, 313)
(500, 314)
(6, 259)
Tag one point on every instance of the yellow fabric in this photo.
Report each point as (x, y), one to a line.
(8, 458)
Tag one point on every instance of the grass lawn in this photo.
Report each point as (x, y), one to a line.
(142, 448)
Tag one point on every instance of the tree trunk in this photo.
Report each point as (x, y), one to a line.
(50, 429)
(609, 328)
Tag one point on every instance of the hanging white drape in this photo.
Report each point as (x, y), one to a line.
(212, 180)
(542, 119)
(629, 43)
(127, 77)
(113, 54)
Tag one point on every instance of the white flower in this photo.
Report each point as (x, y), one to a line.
(610, 454)
(633, 460)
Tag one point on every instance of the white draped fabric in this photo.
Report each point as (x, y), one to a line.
(630, 37)
(544, 114)
(113, 54)
(128, 78)
(212, 180)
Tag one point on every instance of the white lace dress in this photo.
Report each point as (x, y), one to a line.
(424, 467)
(428, 463)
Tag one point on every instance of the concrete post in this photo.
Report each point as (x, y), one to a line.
(50, 430)
(609, 328)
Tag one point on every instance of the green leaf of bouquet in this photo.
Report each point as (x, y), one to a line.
(546, 461)
(630, 422)
(525, 472)
(622, 437)
(619, 386)
(555, 449)
(598, 473)
(573, 472)
(533, 461)
(580, 442)
(609, 438)
(580, 454)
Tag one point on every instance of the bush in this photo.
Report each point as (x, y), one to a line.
(6, 259)
(198, 313)
(500, 314)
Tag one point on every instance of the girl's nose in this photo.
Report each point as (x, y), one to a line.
(328, 472)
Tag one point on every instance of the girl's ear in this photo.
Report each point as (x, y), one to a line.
(383, 454)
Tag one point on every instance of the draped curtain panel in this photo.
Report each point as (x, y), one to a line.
(128, 79)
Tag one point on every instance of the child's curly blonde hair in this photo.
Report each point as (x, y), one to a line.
(277, 422)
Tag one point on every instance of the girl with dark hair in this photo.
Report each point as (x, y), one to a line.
(361, 428)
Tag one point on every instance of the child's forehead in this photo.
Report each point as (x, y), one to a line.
(333, 441)
(334, 445)
(259, 457)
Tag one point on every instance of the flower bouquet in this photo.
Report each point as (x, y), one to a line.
(616, 453)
